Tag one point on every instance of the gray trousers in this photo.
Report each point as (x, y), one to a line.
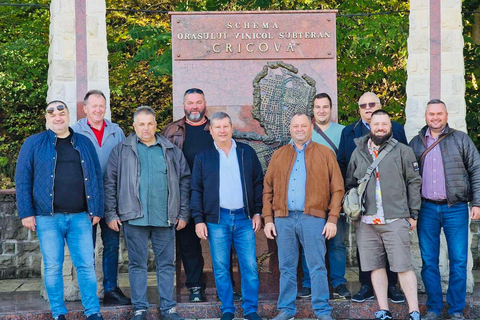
(136, 239)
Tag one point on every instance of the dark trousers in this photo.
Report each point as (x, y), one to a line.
(366, 279)
(111, 241)
(191, 255)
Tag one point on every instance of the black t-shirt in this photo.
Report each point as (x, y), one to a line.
(69, 188)
(196, 140)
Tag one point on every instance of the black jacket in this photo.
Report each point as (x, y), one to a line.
(205, 202)
(461, 163)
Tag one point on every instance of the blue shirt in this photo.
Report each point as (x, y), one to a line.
(153, 187)
(230, 189)
(334, 133)
(297, 181)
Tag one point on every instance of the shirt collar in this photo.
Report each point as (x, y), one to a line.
(429, 134)
(304, 146)
(365, 123)
(234, 145)
(104, 125)
(371, 146)
(157, 141)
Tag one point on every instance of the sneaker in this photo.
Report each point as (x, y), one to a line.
(365, 293)
(395, 295)
(304, 293)
(59, 317)
(237, 297)
(196, 294)
(341, 292)
(139, 315)
(326, 317)
(95, 316)
(252, 316)
(383, 315)
(430, 315)
(116, 297)
(227, 316)
(283, 316)
(457, 316)
(415, 315)
(171, 314)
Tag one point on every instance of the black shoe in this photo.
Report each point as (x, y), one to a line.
(116, 297)
(237, 297)
(341, 292)
(252, 316)
(365, 293)
(139, 315)
(395, 295)
(95, 316)
(196, 294)
(304, 293)
(59, 317)
(227, 316)
(383, 315)
(415, 315)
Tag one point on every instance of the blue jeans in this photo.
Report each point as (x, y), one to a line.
(163, 242)
(299, 228)
(110, 240)
(454, 220)
(337, 257)
(234, 228)
(76, 230)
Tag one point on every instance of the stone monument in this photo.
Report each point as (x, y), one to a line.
(77, 63)
(260, 68)
(436, 71)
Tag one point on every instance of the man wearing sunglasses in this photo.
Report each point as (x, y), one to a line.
(104, 135)
(60, 196)
(367, 104)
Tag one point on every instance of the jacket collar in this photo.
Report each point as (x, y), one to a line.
(131, 140)
(423, 131)
(110, 127)
(53, 136)
(183, 121)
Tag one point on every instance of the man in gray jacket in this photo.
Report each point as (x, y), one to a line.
(392, 202)
(147, 188)
(104, 135)
(450, 172)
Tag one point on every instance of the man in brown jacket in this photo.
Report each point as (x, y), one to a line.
(303, 190)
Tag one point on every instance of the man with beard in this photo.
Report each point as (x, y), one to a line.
(392, 203)
(192, 134)
(367, 104)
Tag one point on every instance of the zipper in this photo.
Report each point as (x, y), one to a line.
(245, 187)
(54, 168)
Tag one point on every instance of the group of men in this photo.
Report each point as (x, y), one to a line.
(196, 182)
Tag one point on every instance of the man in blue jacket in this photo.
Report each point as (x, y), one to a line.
(226, 203)
(367, 104)
(60, 195)
(104, 135)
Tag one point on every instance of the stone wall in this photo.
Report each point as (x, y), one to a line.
(20, 252)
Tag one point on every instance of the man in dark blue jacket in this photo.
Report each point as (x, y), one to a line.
(226, 203)
(368, 103)
(60, 195)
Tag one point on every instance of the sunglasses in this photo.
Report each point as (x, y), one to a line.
(365, 105)
(60, 107)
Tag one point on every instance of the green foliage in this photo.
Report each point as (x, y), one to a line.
(23, 81)
(472, 72)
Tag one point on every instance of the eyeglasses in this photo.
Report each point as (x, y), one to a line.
(365, 105)
(60, 107)
(193, 90)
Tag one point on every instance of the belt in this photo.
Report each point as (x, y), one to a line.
(438, 202)
(232, 211)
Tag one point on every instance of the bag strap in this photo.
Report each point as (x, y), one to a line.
(424, 154)
(379, 158)
(324, 136)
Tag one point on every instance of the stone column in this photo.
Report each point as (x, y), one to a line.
(78, 62)
(435, 71)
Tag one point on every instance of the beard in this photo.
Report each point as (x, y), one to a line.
(380, 140)
(195, 117)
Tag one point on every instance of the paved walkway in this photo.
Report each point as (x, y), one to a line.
(20, 299)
